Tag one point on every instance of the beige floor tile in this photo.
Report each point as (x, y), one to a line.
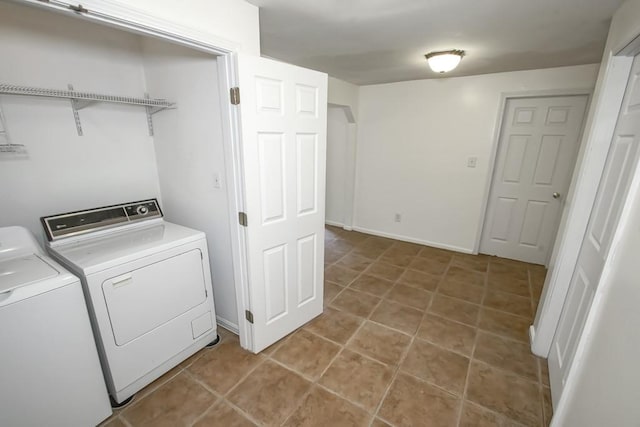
(321, 408)
(385, 271)
(379, 342)
(171, 373)
(477, 416)
(429, 265)
(355, 302)
(544, 371)
(465, 276)
(412, 402)
(406, 248)
(506, 354)
(358, 379)
(510, 303)
(479, 263)
(271, 393)
(461, 290)
(441, 255)
(506, 393)
(500, 323)
(335, 325)
(399, 260)
(377, 242)
(398, 316)
(372, 285)
(447, 333)
(354, 262)
(331, 290)
(437, 366)
(514, 286)
(455, 309)
(340, 275)
(369, 252)
(179, 402)
(416, 279)
(222, 367)
(508, 269)
(221, 414)
(410, 296)
(379, 423)
(547, 406)
(306, 353)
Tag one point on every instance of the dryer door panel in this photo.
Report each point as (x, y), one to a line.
(143, 299)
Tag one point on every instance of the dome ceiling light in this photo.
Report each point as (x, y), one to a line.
(444, 61)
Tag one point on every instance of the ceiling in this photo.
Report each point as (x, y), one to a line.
(379, 41)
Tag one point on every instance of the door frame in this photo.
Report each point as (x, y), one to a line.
(601, 123)
(350, 168)
(495, 147)
(132, 20)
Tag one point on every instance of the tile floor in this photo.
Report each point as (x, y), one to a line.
(410, 336)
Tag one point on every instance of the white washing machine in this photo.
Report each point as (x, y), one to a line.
(147, 285)
(49, 368)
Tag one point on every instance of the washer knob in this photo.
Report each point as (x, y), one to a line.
(142, 210)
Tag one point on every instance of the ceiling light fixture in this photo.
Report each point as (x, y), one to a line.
(444, 61)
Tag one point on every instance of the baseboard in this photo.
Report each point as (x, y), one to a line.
(413, 240)
(228, 325)
(334, 223)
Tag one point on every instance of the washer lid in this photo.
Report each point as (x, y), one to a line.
(20, 271)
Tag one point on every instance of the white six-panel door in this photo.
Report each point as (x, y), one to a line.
(536, 154)
(284, 124)
(621, 163)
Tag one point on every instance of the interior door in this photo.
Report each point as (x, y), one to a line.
(621, 163)
(537, 150)
(284, 125)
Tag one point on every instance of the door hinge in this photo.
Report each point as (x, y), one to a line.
(78, 9)
(249, 316)
(235, 95)
(242, 218)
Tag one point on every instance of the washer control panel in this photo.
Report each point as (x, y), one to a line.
(81, 222)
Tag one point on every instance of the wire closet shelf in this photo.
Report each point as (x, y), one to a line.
(80, 100)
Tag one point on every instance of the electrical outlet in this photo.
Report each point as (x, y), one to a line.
(216, 180)
(398, 217)
(472, 162)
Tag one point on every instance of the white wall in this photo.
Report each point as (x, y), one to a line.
(414, 139)
(343, 93)
(337, 144)
(190, 152)
(230, 24)
(602, 387)
(114, 161)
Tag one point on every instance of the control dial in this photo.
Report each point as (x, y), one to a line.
(142, 210)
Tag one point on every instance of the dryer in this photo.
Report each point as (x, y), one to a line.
(147, 285)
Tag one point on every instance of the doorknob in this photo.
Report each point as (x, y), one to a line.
(556, 195)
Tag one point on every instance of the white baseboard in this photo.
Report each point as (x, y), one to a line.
(413, 240)
(334, 223)
(228, 325)
(338, 224)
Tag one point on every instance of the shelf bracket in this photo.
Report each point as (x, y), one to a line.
(75, 106)
(150, 112)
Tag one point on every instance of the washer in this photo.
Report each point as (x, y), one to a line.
(147, 285)
(49, 368)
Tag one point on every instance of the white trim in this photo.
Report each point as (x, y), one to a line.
(113, 14)
(504, 97)
(413, 240)
(230, 326)
(582, 193)
(334, 223)
(597, 306)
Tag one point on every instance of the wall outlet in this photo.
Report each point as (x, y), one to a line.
(217, 183)
(472, 162)
(397, 217)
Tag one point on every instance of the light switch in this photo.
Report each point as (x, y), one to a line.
(472, 162)
(216, 180)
